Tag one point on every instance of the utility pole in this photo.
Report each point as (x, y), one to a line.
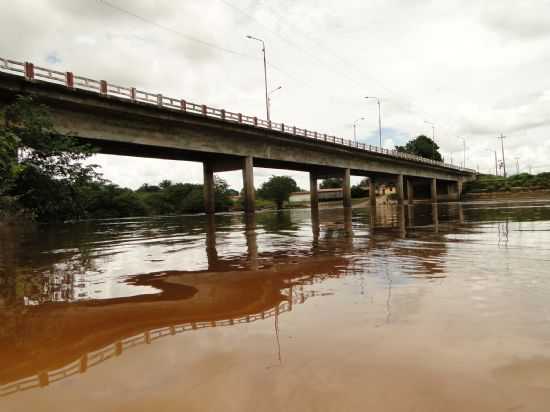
(517, 165)
(502, 137)
(496, 160)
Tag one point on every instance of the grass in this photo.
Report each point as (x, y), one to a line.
(522, 181)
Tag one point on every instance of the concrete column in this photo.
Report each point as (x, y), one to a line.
(399, 188)
(208, 188)
(410, 191)
(372, 192)
(248, 185)
(459, 188)
(433, 190)
(314, 196)
(346, 188)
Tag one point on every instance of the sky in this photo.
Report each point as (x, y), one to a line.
(475, 69)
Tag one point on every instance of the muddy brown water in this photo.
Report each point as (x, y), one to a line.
(416, 308)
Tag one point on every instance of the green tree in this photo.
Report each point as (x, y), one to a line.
(278, 189)
(44, 167)
(421, 146)
(332, 183)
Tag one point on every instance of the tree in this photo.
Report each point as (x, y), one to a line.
(278, 189)
(332, 183)
(421, 146)
(43, 167)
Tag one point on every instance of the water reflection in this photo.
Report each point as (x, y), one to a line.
(91, 293)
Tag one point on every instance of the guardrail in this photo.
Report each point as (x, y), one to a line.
(31, 72)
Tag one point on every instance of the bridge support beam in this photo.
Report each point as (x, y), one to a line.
(399, 189)
(433, 190)
(346, 188)
(313, 193)
(248, 185)
(372, 193)
(209, 188)
(410, 191)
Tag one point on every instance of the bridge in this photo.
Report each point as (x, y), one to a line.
(126, 121)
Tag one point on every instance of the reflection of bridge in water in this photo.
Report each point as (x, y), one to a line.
(94, 358)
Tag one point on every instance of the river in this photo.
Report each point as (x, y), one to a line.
(416, 308)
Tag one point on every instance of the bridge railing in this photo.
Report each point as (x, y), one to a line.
(31, 72)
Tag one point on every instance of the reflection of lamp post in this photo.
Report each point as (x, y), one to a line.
(355, 128)
(464, 149)
(269, 97)
(379, 117)
(496, 161)
(265, 74)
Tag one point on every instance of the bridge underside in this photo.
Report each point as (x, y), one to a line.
(121, 127)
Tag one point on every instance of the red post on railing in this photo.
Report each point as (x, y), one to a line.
(133, 94)
(103, 87)
(240, 117)
(172, 330)
(255, 121)
(159, 99)
(223, 114)
(204, 110)
(69, 80)
(183, 105)
(118, 348)
(83, 363)
(29, 71)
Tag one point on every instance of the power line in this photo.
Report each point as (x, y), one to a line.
(170, 29)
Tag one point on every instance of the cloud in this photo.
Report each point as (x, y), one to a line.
(519, 19)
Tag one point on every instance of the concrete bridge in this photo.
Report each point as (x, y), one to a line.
(127, 121)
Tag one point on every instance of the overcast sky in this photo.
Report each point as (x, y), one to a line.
(474, 68)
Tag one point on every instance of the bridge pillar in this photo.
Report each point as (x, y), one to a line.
(314, 196)
(433, 190)
(372, 192)
(459, 188)
(410, 191)
(248, 185)
(399, 189)
(346, 188)
(209, 188)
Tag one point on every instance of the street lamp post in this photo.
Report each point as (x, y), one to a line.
(464, 150)
(355, 127)
(379, 117)
(433, 137)
(269, 98)
(265, 74)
